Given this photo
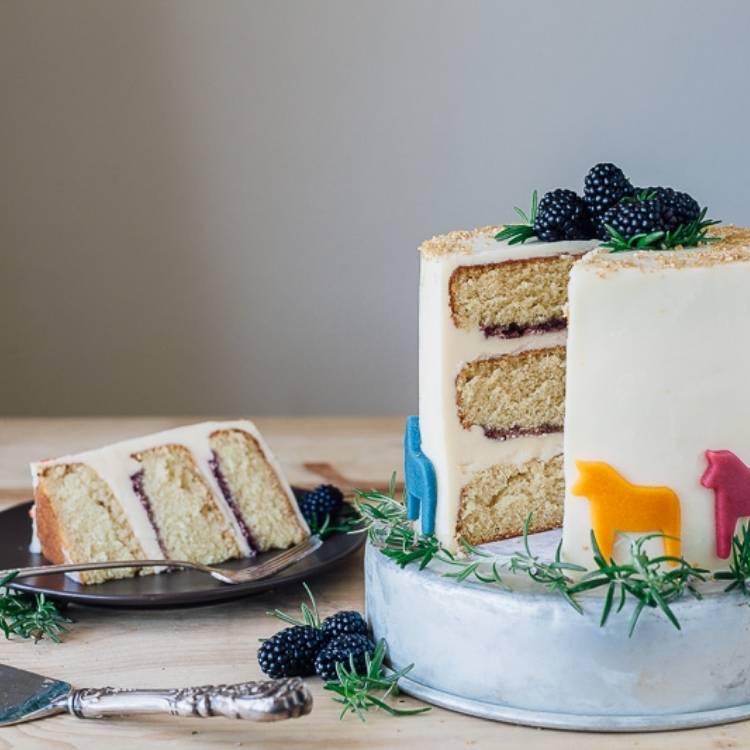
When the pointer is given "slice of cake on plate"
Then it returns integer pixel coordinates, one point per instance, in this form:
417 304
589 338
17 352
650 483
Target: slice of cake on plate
204 493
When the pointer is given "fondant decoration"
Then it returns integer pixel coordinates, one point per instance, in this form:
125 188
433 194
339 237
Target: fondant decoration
617 505
729 478
419 474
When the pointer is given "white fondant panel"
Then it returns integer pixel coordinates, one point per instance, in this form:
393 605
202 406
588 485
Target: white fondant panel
657 373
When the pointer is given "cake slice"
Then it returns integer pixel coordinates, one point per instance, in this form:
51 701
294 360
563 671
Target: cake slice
205 493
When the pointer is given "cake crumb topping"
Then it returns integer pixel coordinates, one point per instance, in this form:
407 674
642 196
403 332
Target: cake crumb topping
458 241
733 246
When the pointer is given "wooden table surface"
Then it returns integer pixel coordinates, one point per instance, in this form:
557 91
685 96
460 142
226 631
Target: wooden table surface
218 643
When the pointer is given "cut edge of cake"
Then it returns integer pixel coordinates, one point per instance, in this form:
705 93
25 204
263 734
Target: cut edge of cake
468 345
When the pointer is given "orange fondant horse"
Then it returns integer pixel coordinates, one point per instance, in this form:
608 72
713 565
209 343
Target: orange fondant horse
617 505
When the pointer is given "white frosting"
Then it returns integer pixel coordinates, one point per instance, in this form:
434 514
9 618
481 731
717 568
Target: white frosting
115 465
458 453
657 371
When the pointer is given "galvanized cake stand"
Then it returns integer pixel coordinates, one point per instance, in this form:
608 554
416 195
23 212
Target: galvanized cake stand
527 657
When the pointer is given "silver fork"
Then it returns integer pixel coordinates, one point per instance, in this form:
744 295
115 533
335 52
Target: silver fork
225 575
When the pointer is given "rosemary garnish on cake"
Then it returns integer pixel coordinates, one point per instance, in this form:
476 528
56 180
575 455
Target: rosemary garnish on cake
684 235
738 574
517 234
644 579
653 582
29 616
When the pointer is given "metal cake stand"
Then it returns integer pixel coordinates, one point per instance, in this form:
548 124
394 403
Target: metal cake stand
529 658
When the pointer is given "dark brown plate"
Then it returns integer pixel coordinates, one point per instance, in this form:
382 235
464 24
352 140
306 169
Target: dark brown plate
185 587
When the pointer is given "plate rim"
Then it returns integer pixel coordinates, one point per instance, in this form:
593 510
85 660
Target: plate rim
181 598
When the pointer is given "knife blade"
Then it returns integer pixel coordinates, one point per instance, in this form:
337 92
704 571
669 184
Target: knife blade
25 696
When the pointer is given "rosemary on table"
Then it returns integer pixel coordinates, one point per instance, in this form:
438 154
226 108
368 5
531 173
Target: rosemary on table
309 614
517 234
29 616
738 574
360 693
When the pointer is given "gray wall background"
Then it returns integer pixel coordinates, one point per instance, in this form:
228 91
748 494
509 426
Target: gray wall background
213 207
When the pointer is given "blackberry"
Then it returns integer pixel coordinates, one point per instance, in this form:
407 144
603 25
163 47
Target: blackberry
605 185
562 215
677 208
291 652
339 650
635 217
344 623
315 505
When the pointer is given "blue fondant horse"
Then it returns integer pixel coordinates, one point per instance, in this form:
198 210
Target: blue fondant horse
419 475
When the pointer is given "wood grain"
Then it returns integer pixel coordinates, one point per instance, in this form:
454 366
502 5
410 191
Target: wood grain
218 643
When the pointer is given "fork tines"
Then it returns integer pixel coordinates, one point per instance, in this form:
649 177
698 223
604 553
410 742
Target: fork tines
282 560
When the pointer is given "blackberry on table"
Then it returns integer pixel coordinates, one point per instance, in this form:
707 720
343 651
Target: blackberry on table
291 652
635 217
562 215
339 651
605 185
323 500
344 623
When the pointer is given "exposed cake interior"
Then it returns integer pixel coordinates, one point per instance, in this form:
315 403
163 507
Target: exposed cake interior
188 522
513 297
79 518
511 395
492 380
497 501
252 488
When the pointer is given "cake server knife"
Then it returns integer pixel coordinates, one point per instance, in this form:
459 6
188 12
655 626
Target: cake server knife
25 696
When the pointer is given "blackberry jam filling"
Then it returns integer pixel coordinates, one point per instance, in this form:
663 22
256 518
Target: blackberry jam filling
514 432
221 480
516 330
137 482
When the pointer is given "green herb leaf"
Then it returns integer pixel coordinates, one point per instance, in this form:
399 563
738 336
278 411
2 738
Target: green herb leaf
518 233
29 616
309 614
360 693
685 235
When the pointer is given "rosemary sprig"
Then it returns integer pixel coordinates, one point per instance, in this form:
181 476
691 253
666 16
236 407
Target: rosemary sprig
29 617
309 614
684 235
646 579
738 574
519 233
550 575
359 693
654 582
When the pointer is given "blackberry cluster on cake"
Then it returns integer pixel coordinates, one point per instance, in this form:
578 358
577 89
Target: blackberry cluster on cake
562 215
609 202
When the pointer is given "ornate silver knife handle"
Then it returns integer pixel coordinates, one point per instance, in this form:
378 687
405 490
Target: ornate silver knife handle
269 700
